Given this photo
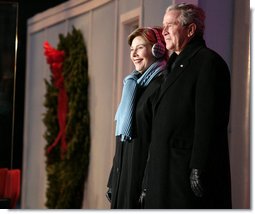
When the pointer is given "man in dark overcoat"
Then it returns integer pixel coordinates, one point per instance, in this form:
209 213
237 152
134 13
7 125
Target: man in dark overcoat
188 163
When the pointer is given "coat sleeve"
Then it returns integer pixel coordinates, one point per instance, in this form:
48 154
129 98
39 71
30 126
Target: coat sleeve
211 111
109 184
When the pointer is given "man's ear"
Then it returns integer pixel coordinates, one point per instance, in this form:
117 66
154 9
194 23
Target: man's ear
192 29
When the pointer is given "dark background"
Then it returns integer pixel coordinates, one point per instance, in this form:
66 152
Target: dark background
26 9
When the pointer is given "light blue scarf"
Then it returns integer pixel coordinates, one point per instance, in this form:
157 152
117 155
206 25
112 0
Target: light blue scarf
125 114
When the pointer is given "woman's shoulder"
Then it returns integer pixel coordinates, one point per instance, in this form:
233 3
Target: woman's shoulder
154 84
158 79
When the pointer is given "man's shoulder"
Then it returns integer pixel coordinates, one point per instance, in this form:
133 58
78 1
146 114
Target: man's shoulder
210 57
207 52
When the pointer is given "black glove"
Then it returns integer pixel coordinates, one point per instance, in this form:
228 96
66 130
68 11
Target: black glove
109 194
195 182
141 199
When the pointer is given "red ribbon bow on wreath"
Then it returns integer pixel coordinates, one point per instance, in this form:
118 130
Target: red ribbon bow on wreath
55 59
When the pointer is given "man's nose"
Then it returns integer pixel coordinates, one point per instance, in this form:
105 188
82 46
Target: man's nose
164 30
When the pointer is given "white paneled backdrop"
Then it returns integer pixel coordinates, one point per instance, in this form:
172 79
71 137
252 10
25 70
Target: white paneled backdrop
105 36
105 25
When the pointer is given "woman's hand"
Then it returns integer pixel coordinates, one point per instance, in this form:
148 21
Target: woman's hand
195 182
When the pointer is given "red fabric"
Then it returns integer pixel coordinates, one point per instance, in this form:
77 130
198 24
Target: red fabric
3 175
55 59
12 186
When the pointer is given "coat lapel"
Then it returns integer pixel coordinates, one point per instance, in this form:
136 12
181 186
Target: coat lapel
180 66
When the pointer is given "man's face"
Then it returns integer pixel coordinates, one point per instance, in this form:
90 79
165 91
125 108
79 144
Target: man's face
175 35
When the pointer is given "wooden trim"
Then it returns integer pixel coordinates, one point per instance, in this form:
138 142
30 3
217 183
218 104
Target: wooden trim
130 16
239 124
62 12
125 19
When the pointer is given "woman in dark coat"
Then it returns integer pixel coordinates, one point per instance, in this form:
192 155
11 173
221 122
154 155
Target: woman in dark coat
188 165
133 117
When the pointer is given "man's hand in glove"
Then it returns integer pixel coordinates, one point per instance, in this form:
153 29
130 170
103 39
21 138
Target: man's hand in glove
195 182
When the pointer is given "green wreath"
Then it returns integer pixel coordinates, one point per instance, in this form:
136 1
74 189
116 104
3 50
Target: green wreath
66 174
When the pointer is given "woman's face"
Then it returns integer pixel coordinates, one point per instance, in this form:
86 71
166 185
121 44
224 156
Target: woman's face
140 54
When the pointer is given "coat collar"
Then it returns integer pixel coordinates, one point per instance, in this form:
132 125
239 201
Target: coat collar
181 63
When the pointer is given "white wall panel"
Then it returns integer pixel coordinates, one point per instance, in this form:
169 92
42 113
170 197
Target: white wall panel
125 5
101 83
33 136
154 12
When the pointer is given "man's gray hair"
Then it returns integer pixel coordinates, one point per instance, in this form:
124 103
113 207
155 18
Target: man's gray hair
190 14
